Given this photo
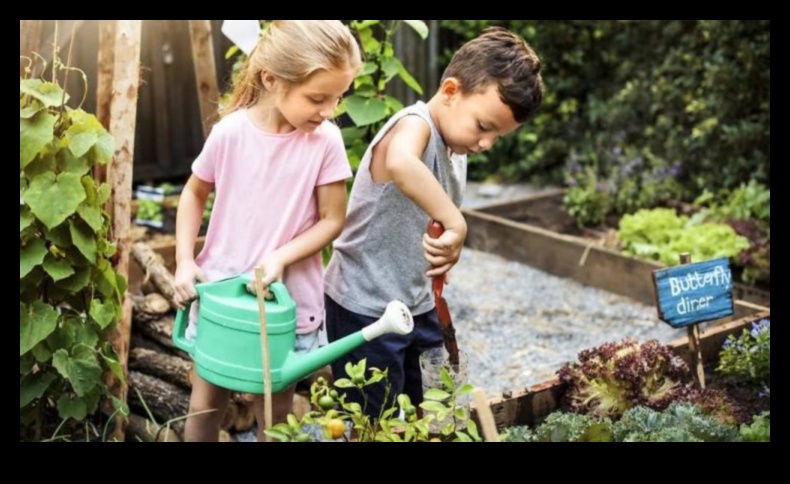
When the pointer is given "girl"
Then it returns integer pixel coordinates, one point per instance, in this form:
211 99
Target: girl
279 169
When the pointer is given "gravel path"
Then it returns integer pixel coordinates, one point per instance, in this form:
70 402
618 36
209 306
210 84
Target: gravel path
518 325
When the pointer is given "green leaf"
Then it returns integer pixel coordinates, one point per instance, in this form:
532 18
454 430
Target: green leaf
462 437
368 68
465 390
57 268
86 335
83 133
105 280
64 334
435 394
84 239
44 162
364 111
232 50
277 434
31 255
104 193
359 25
53 199
59 236
34 387
26 218
102 313
104 148
26 363
92 215
344 383
36 322
390 66
419 27
70 406
70 163
48 93
112 363
471 427
30 110
77 281
433 406
82 369
408 79
460 413
41 353
393 104
34 134
446 379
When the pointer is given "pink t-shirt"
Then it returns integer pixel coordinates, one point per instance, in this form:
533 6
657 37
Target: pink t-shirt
265 197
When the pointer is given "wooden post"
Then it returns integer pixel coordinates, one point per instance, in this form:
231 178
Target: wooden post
205 72
29 42
123 113
267 374
106 61
485 416
694 346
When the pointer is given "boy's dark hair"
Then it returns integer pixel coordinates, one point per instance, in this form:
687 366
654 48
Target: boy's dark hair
500 56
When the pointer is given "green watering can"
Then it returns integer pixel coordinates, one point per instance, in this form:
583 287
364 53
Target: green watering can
227 350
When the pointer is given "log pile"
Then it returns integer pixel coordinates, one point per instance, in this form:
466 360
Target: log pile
160 375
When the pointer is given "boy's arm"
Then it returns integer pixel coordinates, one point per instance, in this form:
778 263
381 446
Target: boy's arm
406 169
188 219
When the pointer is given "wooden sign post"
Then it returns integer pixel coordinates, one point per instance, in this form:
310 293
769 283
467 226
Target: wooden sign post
689 294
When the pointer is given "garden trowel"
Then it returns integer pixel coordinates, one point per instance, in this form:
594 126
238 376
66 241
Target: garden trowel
435 230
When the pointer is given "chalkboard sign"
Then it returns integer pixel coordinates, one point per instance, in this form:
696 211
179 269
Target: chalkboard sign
692 293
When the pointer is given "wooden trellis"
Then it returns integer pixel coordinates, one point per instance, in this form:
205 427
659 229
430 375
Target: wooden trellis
118 86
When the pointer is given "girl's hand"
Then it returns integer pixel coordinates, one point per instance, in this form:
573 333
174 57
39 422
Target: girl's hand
187 273
273 268
443 252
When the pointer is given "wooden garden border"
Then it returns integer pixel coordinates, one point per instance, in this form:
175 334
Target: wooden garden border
527 406
492 230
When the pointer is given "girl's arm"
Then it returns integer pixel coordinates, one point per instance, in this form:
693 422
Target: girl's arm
331 200
188 219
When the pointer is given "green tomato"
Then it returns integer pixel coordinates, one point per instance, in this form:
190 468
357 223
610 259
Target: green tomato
326 402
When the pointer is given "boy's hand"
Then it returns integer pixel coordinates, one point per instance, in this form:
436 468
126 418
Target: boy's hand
273 268
187 273
442 252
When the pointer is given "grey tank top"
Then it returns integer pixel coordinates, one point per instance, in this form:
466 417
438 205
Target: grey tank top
379 256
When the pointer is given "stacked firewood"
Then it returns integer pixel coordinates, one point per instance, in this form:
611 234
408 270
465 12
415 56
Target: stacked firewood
160 374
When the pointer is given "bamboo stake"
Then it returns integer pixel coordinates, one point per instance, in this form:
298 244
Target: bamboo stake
485 416
205 71
267 376
123 112
695 350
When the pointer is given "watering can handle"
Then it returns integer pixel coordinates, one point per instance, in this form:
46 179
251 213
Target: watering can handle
180 328
276 288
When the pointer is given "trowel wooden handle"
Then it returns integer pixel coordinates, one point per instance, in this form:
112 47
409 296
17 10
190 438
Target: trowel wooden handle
435 229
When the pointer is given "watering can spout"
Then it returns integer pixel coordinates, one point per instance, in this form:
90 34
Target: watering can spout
396 319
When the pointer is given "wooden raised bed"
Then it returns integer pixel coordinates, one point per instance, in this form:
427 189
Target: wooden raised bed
529 231
526 407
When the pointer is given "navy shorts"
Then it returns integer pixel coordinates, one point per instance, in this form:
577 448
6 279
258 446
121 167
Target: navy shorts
399 353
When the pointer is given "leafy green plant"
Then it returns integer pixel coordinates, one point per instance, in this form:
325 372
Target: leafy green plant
759 430
611 378
660 234
748 355
149 210
588 203
678 423
332 411
69 294
564 427
369 105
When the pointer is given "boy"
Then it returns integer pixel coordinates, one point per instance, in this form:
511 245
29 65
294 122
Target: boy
414 170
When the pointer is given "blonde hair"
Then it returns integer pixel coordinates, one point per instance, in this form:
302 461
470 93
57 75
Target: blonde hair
292 50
